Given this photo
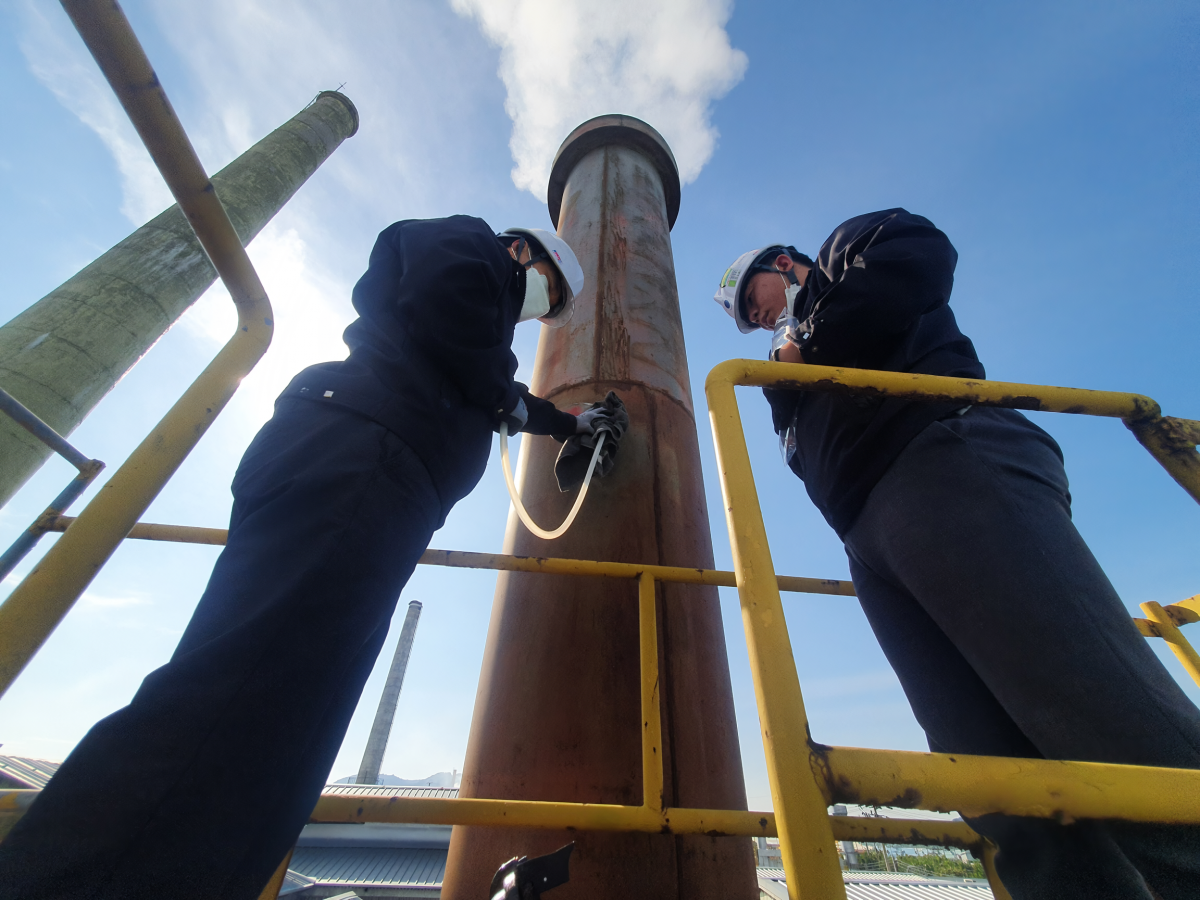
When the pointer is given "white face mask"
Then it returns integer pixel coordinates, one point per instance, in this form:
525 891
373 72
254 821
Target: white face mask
537 296
789 292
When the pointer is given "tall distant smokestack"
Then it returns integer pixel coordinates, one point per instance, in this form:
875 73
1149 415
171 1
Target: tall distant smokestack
557 713
64 353
368 772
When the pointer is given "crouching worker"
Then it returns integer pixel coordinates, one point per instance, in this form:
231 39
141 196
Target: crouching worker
957 524
200 786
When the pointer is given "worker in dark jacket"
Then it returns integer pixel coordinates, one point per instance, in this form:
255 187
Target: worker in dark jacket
1005 633
200 786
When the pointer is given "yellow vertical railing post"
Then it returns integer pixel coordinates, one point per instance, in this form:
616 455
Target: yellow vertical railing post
987 856
793 765
275 885
1169 632
652 763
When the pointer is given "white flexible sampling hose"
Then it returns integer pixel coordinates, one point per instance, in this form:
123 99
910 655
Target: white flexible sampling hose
516 499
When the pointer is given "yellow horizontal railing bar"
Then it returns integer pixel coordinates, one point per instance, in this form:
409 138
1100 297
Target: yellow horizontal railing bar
976 785
548 565
934 388
34 609
538 814
612 817
1181 613
176 534
1147 628
880 830
531 814
1171 441
1185 611
674 574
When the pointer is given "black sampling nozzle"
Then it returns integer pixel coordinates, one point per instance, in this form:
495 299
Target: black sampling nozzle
522 878
576 453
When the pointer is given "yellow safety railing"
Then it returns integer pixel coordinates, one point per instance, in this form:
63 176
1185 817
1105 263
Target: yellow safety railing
968 785
38 604
805 776
1164 622
651 816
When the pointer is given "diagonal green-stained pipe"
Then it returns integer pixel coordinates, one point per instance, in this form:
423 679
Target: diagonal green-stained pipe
64 353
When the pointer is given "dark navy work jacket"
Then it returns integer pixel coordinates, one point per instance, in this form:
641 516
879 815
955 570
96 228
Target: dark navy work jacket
878 299
431 352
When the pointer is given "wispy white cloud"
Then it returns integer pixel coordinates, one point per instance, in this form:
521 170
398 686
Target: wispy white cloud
869 683
58 59
252 65
566 61
123 601
242 68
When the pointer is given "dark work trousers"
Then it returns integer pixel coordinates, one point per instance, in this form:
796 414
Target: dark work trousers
1009 640
200 786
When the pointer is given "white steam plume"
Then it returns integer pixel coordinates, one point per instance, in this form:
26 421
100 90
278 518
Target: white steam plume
565 61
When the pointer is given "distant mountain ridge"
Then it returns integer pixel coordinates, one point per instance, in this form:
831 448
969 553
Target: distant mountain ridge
438 779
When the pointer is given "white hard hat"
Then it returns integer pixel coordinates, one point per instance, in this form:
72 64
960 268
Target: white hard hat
731 290
562 257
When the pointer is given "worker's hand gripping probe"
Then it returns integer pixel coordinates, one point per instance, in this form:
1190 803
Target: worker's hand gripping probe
600 430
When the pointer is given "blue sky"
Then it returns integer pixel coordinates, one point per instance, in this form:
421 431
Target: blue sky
1053 141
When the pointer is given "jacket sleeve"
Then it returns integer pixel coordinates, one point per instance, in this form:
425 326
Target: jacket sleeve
448 280
544 417
783 406
876 275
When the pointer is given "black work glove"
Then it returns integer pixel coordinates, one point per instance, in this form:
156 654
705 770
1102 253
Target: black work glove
611 419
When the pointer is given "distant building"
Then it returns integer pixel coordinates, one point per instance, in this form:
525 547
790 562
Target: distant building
767 852
21 773
373 859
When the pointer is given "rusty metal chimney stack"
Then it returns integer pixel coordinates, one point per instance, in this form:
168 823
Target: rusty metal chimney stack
557 715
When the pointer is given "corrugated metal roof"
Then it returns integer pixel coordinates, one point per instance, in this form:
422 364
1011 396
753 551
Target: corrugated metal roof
383 790
294 882
775 890
32 773
777 874
895 812
891 877
924 890
374 834
388 867
899 886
